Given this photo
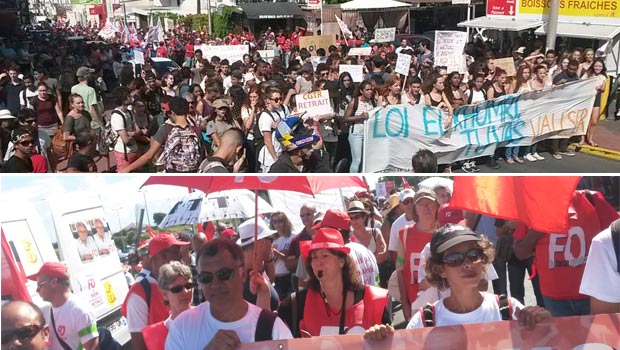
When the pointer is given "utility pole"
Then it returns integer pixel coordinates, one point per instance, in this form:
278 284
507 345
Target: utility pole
209 16
552 24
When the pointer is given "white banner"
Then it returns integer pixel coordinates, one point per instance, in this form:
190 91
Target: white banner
232 53
266 55
356 71
314 103
394 134
385 35
360 51
402 64
138 57
448 51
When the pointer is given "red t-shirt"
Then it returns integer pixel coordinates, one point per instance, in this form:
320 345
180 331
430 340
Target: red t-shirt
189 50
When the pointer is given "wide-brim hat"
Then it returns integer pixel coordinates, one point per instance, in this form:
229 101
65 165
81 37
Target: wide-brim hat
5 114
392 203
246 231
357 207
325 238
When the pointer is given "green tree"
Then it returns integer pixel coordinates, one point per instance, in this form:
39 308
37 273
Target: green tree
158 218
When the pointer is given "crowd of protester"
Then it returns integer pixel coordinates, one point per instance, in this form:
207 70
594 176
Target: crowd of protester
214 115
342 274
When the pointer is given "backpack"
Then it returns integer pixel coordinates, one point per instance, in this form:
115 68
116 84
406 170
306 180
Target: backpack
207 165
259 138
182 149
503 301
264 326
109 137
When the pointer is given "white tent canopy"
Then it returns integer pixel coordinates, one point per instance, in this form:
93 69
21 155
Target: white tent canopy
511 24
373 5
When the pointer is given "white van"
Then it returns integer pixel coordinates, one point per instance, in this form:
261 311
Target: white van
98 277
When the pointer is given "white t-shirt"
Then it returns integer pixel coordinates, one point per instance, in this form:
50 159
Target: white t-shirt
89 248
399 223
366 263
26 102
488 311
75 316
105 243
601 279
117 124
491 273
137 309
282 243
268 123
195 328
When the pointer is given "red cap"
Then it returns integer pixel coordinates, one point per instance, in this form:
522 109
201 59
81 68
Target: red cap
162 241
447 215
52 269
335 219
327 238
227 233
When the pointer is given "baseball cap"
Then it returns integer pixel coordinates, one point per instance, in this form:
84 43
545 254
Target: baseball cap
424 193
406 193
52 269
447 215
219 103
227 233
246 231
451 235
84 71
163 241
335 219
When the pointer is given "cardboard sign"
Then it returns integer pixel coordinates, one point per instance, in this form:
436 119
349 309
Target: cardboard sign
138 57
507 64
448 52
356 71
314 103
360 51
402 64
315 42
385 35
267 55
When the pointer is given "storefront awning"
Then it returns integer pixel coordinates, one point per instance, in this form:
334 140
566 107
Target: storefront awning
512 25
583 30
271 10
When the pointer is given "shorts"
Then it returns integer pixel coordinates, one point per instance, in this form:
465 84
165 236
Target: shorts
121 163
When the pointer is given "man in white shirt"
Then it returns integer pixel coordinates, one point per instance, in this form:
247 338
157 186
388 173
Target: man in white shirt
267 121
225 319
406 203
73 323
404 45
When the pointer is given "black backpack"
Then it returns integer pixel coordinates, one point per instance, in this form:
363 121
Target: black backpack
264 326
259 139
505 308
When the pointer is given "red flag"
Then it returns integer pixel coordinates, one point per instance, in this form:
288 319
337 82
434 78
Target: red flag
405 183
150 231
199 228
541 202
209 230
13 279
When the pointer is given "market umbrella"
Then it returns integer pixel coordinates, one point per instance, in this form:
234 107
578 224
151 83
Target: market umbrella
197 207
304 184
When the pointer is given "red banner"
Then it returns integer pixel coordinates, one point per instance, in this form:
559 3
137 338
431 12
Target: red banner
580 332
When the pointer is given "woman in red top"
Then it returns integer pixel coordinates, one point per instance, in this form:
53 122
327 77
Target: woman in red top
175 282
336 301
48 111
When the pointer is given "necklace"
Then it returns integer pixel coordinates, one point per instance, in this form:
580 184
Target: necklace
328 307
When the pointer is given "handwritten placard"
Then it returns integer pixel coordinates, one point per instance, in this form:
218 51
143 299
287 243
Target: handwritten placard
232 53
385 35
507 64
449 47
402 64
356 71
314 103
138 57
315 42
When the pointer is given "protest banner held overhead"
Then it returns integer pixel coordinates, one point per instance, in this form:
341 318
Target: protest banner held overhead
360 51
449 47
232 53
476 130
315 42
385 35
356 71
314 103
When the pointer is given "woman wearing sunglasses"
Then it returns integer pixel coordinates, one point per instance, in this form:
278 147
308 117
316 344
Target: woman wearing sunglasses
177 288
458 261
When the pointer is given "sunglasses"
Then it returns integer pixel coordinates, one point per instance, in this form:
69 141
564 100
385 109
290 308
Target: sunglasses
407 201
457 259
356 216
26 143
22 334
179 289
39 284
223 274
30 121
276 100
